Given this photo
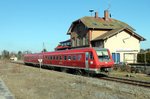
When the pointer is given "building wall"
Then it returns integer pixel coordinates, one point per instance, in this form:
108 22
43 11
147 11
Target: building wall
126 45
97 33
79 36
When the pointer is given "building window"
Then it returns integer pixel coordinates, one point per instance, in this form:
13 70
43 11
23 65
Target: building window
83 41
77 42
73 43
87 40
99 44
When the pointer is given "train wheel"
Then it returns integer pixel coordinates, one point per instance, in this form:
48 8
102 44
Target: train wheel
65 70
79 72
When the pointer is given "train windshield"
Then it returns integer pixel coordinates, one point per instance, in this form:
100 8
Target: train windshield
103 55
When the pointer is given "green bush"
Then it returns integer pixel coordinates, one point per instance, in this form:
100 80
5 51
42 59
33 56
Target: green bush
148 57
141 57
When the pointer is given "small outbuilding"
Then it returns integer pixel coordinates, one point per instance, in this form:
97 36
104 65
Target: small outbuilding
13 58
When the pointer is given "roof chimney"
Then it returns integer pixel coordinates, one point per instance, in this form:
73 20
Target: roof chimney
96 14
106 15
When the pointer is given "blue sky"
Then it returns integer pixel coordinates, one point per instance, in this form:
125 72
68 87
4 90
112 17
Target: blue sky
26 24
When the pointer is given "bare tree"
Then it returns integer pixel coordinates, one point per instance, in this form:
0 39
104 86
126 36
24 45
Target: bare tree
44 50
19 56
5 54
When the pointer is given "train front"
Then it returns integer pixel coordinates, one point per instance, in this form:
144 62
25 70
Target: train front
105 61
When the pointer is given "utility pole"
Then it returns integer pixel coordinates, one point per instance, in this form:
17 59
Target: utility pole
44 48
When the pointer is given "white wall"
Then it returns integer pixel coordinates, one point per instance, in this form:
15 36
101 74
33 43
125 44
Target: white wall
122 43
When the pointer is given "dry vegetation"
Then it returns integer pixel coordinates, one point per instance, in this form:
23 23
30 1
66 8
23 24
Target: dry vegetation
31 83
127 74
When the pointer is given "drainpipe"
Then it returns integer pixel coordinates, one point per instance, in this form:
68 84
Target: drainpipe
90 37
126 39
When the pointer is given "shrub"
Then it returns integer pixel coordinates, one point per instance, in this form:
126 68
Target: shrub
141 57
148 57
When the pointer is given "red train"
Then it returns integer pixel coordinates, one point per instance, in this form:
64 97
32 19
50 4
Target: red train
93 60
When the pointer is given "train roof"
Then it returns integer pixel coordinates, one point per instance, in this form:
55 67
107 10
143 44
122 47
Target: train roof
76 50
32 54
80 50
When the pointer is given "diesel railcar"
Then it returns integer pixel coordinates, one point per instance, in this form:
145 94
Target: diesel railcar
93 60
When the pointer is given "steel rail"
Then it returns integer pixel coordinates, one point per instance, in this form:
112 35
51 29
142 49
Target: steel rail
128 81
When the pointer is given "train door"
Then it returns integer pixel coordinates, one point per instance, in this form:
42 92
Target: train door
87 60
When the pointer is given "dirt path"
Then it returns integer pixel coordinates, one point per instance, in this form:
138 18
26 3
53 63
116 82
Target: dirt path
31 83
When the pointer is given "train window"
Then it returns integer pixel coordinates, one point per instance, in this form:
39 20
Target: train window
91 56
65 57
53 57
69 57
79 57
74 58
60 57
103 55
49 57
56 57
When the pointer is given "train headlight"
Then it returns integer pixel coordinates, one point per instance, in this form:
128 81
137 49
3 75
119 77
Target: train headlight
91 62
106 62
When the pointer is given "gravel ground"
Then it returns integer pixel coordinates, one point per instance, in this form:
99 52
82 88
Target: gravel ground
32 83
4 91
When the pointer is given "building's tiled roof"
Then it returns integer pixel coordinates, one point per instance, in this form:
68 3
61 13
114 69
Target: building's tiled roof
112 25
101 23
115 31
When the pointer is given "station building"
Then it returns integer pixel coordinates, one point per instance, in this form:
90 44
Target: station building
106 32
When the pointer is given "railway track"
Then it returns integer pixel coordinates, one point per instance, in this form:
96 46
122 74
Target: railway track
120 80
128 81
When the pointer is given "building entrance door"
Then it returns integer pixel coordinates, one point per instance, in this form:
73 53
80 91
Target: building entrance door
116 57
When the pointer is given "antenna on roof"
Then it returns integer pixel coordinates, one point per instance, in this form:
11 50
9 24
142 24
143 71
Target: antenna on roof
109 5
91 11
